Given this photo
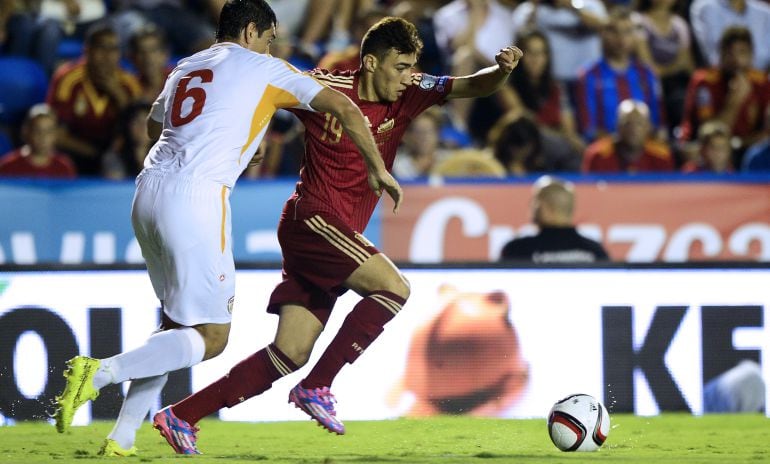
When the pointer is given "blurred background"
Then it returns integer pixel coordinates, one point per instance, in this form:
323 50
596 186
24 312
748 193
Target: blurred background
657 110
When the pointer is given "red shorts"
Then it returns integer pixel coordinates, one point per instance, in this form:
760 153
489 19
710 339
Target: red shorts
320 252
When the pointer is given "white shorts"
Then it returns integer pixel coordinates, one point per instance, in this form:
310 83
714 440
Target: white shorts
184 229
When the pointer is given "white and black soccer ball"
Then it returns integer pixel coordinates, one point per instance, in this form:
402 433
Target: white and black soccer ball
578 423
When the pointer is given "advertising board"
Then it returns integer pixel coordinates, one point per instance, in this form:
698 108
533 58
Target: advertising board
489 342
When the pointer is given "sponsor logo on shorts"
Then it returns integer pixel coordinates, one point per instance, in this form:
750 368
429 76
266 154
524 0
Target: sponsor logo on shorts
230 304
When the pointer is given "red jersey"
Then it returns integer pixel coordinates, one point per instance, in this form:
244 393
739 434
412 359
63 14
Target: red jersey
333 176
15 164
706 94
601 156
549 113
87 112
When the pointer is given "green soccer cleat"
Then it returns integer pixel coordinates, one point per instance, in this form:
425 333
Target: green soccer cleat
111 448
79 389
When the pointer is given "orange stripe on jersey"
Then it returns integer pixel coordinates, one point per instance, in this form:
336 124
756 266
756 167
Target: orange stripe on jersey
68 83
272 99
98 103
130 82
224 218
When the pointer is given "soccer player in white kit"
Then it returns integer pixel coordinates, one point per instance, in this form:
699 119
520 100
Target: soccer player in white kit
208 121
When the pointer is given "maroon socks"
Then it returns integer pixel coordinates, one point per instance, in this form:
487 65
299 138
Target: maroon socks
360 328
246 379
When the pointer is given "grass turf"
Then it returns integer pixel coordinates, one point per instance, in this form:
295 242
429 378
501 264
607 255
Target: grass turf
669 438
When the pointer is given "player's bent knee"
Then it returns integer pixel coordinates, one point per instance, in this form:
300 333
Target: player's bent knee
216 337
400 286
215 347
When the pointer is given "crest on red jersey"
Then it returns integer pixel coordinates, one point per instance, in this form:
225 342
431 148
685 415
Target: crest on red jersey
386 125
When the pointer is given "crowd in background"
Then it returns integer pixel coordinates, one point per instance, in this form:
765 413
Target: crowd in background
605 86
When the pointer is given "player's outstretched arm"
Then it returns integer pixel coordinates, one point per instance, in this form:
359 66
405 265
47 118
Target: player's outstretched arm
488 80
354 125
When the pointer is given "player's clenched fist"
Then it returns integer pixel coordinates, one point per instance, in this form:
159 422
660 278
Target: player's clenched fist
508 58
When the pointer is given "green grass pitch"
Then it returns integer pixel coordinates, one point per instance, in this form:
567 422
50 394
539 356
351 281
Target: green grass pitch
668 438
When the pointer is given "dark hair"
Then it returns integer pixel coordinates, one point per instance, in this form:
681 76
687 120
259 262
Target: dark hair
523 131
735 34
126 154
532 94
646 5
618 13
98 30
236 16
391 32
148 30
643 5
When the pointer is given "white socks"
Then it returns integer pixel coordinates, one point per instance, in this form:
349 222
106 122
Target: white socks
141 397
163 352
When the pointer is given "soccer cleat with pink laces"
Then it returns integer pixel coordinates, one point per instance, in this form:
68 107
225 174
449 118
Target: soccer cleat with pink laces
318 403
178 433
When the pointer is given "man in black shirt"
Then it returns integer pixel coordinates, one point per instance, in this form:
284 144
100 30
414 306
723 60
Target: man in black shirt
558 241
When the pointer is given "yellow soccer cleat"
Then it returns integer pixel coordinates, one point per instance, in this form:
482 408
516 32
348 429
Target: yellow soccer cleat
78 389
111 448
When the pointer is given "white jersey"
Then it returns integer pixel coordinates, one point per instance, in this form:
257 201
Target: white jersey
215 107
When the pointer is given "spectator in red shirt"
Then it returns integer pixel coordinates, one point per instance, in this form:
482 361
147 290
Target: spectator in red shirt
38 156
714 150
632 148
733 93
88 96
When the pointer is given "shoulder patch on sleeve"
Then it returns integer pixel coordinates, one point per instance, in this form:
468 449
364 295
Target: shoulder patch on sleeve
440 84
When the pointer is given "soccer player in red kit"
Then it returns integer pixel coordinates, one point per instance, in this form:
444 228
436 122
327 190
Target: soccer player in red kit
324 253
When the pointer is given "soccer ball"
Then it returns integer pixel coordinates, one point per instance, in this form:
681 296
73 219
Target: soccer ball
578 423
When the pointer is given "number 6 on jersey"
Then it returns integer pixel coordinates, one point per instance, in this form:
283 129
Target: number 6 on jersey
182 93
